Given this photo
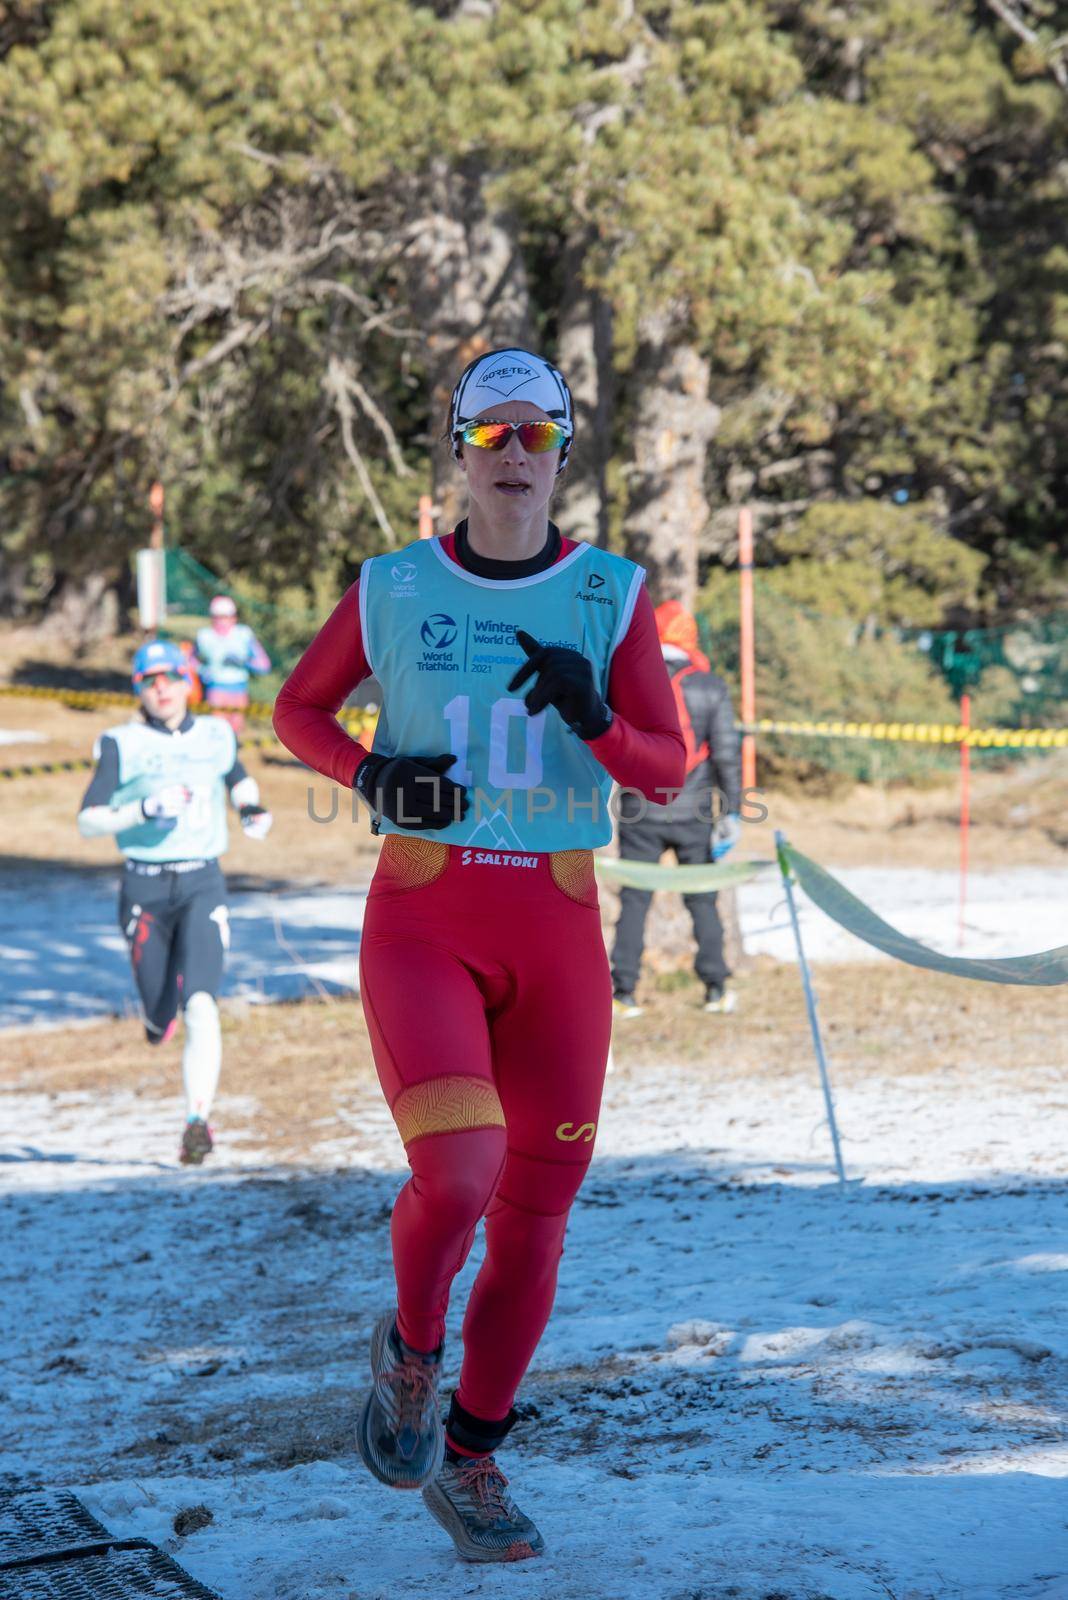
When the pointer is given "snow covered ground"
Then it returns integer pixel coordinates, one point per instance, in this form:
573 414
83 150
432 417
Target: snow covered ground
62 956
754 1387
1016 912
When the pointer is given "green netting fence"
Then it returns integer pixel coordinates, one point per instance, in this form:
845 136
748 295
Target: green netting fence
1043 969
815 667
1034 654
284 630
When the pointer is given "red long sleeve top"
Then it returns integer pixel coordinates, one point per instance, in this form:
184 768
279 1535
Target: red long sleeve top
643 749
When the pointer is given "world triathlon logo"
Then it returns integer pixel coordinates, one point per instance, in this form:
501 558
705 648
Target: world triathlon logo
438 631
403 572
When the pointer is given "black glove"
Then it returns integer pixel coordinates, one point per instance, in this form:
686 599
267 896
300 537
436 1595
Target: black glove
565 680
411 791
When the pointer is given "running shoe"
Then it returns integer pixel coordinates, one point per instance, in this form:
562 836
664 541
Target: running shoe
197 1142
470 1498
719 998
624 1005
400 1436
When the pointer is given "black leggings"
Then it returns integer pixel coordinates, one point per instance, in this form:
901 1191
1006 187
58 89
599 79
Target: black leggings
646 841
177 928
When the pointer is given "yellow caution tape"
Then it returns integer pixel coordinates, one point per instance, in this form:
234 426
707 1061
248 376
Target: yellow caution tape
919 733
43 768
358 723
90 699
82 699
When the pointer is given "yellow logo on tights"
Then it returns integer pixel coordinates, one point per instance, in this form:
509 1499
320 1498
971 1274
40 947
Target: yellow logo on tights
586 1131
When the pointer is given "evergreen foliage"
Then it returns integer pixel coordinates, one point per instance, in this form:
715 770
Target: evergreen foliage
226 262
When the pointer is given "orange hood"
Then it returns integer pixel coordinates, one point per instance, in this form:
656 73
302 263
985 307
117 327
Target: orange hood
675 625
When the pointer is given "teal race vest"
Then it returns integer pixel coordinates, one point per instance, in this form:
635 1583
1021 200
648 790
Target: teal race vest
214 648
199 759
441 642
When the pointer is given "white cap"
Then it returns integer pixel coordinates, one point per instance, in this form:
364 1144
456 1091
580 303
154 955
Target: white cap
222 606
510 374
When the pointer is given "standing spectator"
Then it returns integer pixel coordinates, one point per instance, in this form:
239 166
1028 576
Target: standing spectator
702 824
227 653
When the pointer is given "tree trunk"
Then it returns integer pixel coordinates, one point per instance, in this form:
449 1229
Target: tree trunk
80 611
14 586
674 424
585 358
468 290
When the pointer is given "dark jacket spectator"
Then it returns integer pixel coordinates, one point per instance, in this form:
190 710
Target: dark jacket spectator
713 746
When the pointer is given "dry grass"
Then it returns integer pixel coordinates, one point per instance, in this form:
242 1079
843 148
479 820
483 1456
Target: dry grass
45 655
874 1016
298 1065
1017 819
1017 816
301 1063
306 1069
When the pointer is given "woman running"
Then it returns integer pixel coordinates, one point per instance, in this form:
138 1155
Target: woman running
160 789
521 673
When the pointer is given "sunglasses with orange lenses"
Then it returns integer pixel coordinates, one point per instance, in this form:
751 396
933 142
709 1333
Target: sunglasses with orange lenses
535 437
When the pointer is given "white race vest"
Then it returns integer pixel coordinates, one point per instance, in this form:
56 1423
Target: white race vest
150 760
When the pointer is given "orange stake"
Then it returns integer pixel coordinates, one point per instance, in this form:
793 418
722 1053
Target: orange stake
426 517
155 505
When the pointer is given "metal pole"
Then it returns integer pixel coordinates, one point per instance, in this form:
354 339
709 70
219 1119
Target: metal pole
810 1002
745 644
965 810
155 568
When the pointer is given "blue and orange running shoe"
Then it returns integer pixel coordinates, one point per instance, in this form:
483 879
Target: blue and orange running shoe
471 1501
400 1435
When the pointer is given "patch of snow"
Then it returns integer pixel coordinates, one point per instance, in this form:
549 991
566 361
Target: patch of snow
754 1384
63 956
298 942
1019 911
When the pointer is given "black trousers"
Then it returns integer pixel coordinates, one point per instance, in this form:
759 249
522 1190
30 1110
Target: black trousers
177 930
646 841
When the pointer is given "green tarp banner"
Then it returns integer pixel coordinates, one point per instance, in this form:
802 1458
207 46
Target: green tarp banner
682 880
1047 968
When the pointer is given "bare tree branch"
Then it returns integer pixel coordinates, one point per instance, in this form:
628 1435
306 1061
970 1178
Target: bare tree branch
377 319
241 333
371 410
1057 63
337 385
344 291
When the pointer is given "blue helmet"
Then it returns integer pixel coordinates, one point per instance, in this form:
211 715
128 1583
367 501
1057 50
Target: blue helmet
159 655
